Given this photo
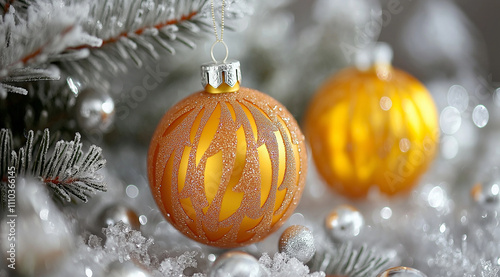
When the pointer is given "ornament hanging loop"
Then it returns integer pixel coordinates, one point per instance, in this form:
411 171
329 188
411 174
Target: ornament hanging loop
212 51
217 39
220 76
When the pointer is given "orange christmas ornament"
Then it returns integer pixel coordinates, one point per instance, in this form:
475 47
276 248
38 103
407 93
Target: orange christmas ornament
227 165
373 127
227 169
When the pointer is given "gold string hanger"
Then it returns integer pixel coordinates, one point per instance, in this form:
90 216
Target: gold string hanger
217 39
225 76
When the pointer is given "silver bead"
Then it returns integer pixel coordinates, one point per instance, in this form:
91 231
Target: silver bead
401 271
118 212
95 110
236 264
126 269
297 241
344 223
487 194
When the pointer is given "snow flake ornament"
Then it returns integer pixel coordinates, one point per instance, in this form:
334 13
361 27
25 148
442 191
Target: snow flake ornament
227 165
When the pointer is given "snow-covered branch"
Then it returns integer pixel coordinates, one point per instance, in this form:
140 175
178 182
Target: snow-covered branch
87 39
65 169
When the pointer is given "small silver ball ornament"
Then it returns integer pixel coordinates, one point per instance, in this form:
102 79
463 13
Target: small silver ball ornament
297 241
236 264
487 194
95 110
402 271
114 213
126 269
344 223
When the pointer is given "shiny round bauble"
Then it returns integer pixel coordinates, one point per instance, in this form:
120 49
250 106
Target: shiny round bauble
370 128
297 241
227 169
236 264
95 110
401 271
114 213
126 269
344 223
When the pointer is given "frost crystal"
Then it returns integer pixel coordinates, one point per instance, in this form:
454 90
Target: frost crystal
176 266
95 242
122 243
488 269
127 243
283 266
454 260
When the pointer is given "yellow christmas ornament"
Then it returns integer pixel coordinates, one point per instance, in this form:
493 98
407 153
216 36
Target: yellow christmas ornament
373 127
227 165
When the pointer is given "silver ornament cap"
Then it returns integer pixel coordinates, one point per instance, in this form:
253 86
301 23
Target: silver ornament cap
220 77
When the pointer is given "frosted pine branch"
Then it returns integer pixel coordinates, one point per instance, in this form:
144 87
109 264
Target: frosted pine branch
66 169
136 30
30 38
346 261
5 5
87 38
